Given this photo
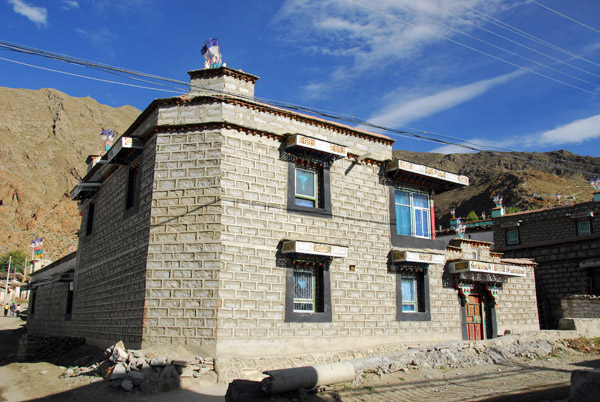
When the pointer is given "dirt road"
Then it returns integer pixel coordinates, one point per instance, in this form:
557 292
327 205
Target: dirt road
525 380
546 379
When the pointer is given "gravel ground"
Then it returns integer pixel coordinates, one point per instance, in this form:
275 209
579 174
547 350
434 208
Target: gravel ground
542 379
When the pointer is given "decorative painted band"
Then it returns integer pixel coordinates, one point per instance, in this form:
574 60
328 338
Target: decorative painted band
305 247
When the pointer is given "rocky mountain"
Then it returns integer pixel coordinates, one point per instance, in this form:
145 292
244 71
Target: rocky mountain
45 138
46 135
525 180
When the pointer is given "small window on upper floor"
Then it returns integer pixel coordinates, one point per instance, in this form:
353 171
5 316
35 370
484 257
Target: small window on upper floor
412 213
89 224
512 236
132 180
584 227
133 189
308 188
309 160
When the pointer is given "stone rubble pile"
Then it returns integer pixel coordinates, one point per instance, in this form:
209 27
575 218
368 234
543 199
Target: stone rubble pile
458 354
145 370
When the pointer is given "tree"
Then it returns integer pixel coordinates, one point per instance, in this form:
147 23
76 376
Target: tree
17 258
472 217
512 210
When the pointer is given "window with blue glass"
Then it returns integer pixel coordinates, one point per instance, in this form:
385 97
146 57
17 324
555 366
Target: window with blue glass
307 187
410 302
413 217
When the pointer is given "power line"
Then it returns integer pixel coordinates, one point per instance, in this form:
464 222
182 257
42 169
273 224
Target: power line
519 32
515 42
565 16
472 48
441 139
87 77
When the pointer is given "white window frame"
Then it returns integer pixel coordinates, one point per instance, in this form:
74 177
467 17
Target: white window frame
315 197
310 275
413 213
415 291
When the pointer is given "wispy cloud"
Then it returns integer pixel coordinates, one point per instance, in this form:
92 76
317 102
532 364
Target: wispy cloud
575 132
70 4
100 39
404 111
38 15
370 36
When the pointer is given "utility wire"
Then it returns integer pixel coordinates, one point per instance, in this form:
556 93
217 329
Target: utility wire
493 45
565 16
88 77
517 31
466 21
472 48
442 139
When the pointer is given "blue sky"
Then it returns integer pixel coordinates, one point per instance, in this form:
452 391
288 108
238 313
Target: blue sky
519 74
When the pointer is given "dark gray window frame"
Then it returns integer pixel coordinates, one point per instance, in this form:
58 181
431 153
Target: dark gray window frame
69 305
324 198
324 297
132 189
424 313
508 229
89 221
578 221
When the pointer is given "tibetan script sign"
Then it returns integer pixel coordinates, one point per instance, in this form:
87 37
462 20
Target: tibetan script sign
486 267
318 145
305 247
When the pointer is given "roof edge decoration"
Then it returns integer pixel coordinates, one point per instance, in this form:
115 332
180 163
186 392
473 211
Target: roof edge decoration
422 257
306 247
313 144
223 71
125 150
414 169
485 267
83 190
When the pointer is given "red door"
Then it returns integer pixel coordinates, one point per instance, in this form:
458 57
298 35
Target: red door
474 318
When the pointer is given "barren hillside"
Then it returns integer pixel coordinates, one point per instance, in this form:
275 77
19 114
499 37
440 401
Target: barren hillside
45 137
525 180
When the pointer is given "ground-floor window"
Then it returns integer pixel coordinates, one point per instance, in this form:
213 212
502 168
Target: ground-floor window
308 290
412 292
305 290
410 299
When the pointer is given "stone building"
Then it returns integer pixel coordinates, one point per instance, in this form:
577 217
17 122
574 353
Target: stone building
262 237
564 241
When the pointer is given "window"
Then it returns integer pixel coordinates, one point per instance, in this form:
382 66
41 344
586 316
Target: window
308 291
584 227
413 217
305 299
412 299
308 188
69 308
512 236
89 225
131 200
31 307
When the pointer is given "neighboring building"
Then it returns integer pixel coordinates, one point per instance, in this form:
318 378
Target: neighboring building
262 236
564 241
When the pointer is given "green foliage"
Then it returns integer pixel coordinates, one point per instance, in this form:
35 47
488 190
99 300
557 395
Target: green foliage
472 217
17 262
512 210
